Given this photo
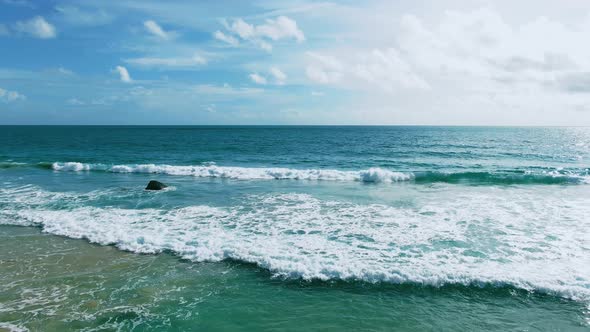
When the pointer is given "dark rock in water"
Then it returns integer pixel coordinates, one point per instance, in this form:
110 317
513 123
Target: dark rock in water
155 185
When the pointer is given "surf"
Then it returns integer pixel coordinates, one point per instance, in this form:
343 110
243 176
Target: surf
475 242
533 175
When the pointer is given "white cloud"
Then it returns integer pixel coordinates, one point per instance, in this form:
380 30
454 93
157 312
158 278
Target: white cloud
465 50
281 28
226 38
278 75
481 43
211 108
467 66
123 74
258 79
243 29
64 71
480 52
327 61
384 69
195 60
321 75
324 69
156 30
10 96
263 45
225 90
388 70
75 102
36 27
271 76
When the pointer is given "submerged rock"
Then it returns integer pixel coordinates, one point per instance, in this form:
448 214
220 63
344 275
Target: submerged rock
155 185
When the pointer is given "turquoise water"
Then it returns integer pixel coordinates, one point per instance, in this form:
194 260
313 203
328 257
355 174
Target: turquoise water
295 228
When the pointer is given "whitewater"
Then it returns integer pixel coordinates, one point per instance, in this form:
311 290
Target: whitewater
472 239
535 175
374 174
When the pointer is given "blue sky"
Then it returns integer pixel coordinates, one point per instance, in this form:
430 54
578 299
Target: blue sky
295 62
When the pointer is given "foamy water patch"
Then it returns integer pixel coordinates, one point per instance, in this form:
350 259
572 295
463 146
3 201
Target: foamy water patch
518 239
13 327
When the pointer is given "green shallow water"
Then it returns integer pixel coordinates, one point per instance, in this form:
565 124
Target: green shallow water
52 283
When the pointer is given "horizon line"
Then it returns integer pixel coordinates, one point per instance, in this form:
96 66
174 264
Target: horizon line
288 125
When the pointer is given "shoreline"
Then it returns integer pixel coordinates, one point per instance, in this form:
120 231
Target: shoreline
97 271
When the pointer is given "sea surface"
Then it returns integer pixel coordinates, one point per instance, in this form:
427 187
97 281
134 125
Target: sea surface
294 228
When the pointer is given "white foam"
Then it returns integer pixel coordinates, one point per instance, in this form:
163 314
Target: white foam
244 173
71 166
519 238
13 328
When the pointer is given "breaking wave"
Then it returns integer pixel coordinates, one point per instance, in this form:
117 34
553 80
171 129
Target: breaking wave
471 240
371 175
243 173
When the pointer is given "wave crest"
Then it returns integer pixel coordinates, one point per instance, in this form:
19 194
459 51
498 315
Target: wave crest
244 173
371 175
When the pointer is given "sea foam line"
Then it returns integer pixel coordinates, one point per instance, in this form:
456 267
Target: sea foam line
373 174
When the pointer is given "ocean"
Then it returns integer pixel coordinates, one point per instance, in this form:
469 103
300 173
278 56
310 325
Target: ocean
294 228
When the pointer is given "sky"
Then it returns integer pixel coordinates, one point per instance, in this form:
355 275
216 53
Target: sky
451 62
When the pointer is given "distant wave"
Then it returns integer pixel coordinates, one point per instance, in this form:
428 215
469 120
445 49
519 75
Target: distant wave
470 240
10 164
244 173
370 175
505 177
